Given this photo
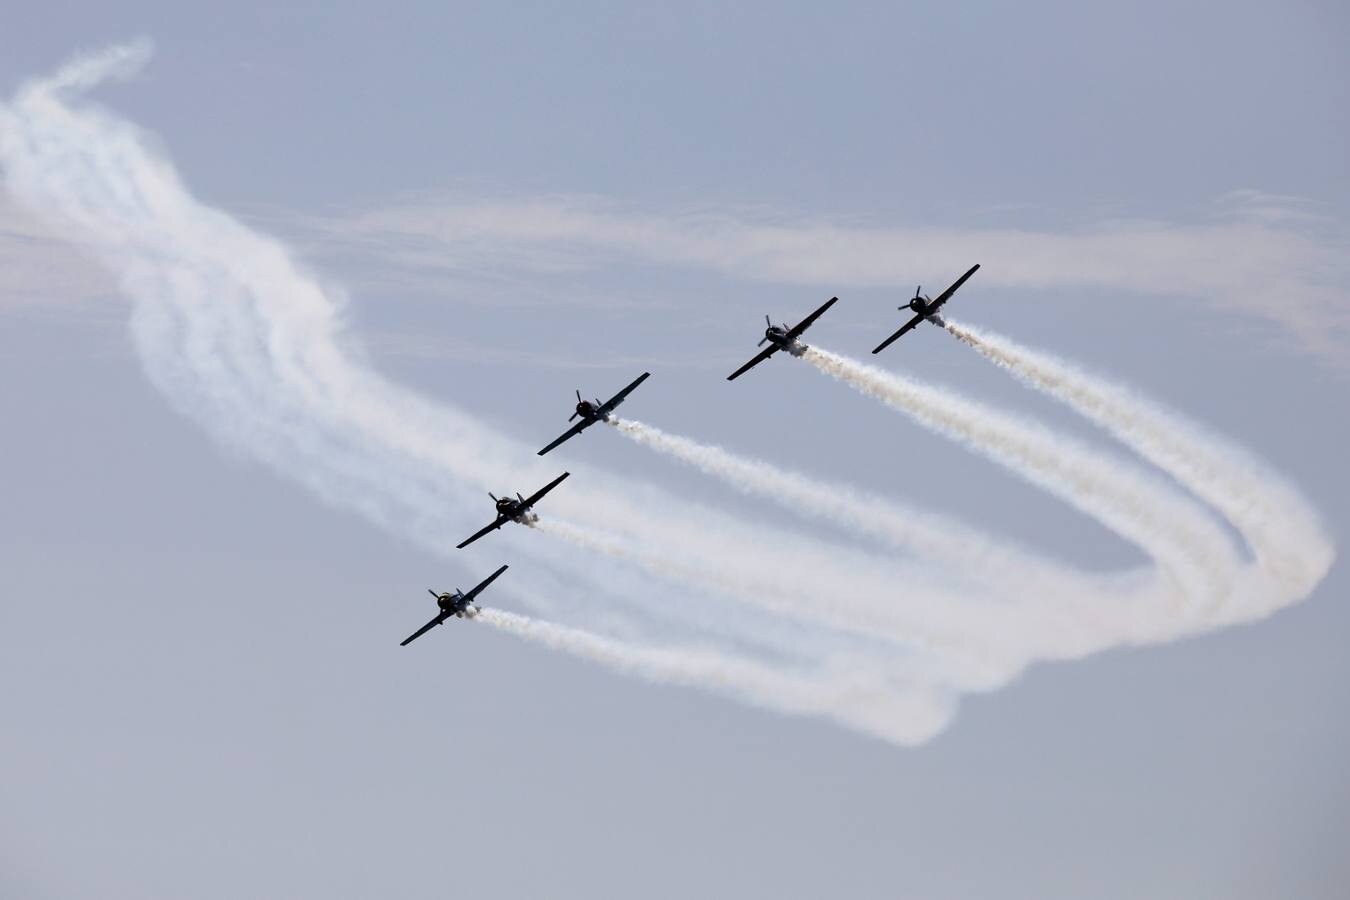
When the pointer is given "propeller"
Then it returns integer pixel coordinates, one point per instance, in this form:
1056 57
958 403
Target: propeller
493 496
575 414
434 594
767 324
917 303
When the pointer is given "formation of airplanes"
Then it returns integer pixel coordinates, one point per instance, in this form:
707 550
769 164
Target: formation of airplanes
459 604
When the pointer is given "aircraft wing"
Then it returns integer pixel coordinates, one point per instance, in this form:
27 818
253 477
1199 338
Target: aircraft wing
538 495
501 520
569 433
942 297
423 630
804 324
903 328
759 358
608 405
484 583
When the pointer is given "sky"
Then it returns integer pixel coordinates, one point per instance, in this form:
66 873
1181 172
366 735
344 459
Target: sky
207 572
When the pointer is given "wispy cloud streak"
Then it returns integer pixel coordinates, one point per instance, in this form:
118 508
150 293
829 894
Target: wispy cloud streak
1265 256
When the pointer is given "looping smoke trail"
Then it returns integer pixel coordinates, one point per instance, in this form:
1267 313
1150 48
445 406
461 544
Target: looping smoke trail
764 589
1284 533
1184 539
919 532
902 716
243 341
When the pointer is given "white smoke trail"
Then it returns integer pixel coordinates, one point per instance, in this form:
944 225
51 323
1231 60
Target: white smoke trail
984 664
251 347
871 704
1184 539
243 341
919 532
1290 546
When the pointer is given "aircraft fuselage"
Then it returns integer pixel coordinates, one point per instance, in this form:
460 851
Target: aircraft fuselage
514 509
776 335
454 604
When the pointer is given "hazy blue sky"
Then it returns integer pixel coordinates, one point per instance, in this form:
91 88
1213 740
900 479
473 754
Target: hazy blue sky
203 693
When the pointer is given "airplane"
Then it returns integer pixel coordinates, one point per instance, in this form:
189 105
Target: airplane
456 604
780 337
513 509
926 308
591 413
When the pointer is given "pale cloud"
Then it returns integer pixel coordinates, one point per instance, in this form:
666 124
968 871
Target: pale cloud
1270 257
43 269
420 345
1274 259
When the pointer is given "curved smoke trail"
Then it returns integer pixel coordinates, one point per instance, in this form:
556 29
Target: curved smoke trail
246 343
1292 551
1186 542
1284 533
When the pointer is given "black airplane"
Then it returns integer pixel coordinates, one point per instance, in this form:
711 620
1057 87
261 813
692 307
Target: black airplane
925 308
780 337
513 509
591 413
456 604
